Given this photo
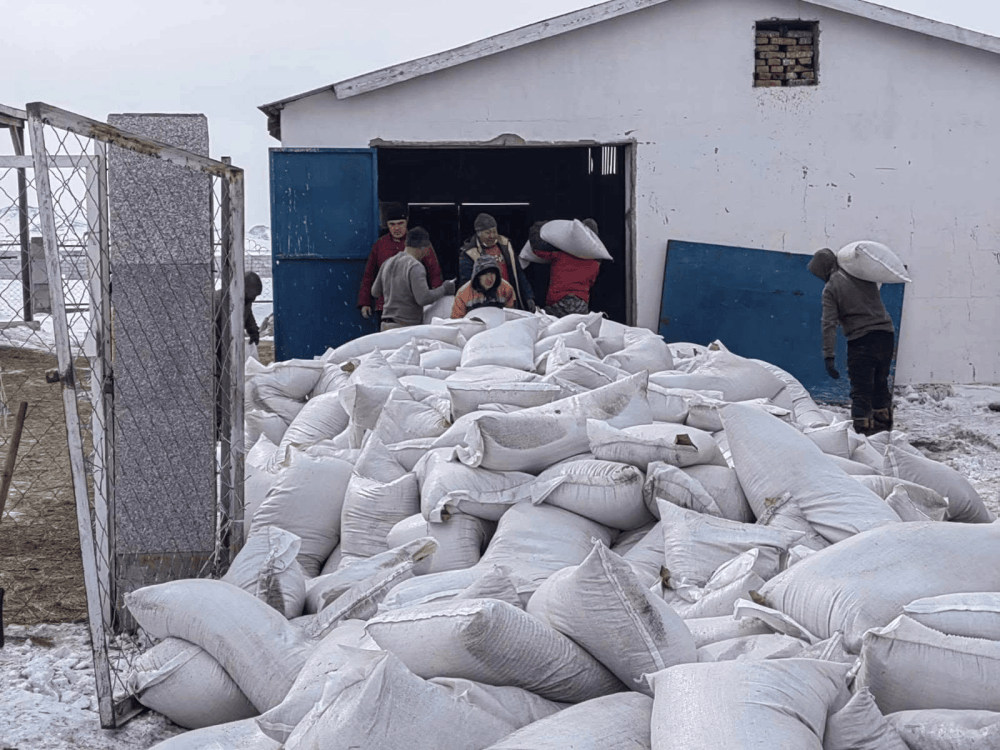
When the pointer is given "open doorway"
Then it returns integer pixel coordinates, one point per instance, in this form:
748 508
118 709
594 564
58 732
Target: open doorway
447 187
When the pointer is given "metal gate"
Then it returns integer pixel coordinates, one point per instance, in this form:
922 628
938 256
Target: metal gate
324 217
146 406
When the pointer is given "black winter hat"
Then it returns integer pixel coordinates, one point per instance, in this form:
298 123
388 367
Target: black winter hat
252 285
395 211
484 222
418 237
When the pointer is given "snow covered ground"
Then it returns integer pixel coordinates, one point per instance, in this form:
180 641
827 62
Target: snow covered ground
47 674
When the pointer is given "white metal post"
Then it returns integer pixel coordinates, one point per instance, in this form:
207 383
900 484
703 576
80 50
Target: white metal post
237 352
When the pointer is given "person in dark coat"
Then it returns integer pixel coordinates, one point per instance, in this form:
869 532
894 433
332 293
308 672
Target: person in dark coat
252 288
856 306
488 241
570 278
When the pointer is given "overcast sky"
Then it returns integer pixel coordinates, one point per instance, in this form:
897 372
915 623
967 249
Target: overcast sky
224 58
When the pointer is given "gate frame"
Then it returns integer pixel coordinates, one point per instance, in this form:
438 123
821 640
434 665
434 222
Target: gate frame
230 500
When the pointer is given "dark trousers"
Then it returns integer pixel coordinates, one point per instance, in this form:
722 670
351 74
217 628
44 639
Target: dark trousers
868 362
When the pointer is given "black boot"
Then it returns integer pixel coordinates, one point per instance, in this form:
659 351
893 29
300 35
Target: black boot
882 420
864 425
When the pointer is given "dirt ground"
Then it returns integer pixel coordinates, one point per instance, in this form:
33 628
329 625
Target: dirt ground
40 567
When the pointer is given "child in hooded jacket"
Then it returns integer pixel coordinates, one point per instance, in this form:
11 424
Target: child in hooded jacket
487 288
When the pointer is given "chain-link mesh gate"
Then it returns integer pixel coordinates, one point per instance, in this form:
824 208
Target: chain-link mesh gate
40 568
151 374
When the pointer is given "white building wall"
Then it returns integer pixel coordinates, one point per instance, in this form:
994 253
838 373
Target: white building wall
897 144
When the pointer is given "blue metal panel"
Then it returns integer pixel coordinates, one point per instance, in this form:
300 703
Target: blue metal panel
324 218
759 303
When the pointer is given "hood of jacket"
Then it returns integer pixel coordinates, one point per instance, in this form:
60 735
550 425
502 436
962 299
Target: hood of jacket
823 263
483 264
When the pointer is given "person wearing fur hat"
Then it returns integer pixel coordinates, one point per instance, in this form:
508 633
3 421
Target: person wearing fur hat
856 306
486 289
488 241
386 247
570 278
402 282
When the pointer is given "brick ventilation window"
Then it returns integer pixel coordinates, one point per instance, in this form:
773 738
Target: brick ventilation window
786 53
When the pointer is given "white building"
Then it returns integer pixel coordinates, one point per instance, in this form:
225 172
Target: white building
892 138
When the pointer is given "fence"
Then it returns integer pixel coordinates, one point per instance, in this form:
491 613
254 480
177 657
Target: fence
147 368
40 569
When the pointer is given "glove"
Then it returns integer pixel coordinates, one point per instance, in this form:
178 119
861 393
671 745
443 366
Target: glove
830 369
255 338
366 312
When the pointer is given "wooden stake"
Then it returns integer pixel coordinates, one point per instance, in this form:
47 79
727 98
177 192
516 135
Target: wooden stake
15 442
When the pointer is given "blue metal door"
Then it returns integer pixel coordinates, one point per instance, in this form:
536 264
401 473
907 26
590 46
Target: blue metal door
761 304
324 218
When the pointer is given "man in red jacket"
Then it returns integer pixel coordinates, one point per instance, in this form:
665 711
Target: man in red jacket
387 246
570 279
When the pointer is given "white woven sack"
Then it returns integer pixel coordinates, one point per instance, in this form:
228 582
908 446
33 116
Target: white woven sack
534 541
371 508
244 735
403 419
258 422
326 588
733 581
942 729
752 705
865 581
785 513
695 545
334 378
328 657
255 644
646 557
509 345
573 237
852 468
184 683
723 484
527 256
908 666
267 568
378 703
614 722
925 499
861 726
737 378
434 587
448 486
560 355
651 355
970 615
306 499
707 630
752 648
604 491
579 338
534 439
964 503
499 583
492 642
627 540
872 261
388 340
668 404
443 359
322 418
593 322
439 309
469 397
709 489
602 606
831 439
461 540
585 373
260 469
292 378
773 458
640 445
362 600
905 508
805 410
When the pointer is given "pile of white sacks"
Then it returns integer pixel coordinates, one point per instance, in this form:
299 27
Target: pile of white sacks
516 532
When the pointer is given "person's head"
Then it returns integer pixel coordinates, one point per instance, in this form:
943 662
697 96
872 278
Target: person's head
590 224
486 229
252 286
418 242
395 220
486 274
823 263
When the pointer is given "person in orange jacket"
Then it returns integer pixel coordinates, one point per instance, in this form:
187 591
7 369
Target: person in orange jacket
486 289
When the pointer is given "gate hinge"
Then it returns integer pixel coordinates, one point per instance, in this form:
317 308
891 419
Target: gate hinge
68 380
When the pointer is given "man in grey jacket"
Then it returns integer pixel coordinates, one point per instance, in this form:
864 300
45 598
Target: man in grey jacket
402 281
856 305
